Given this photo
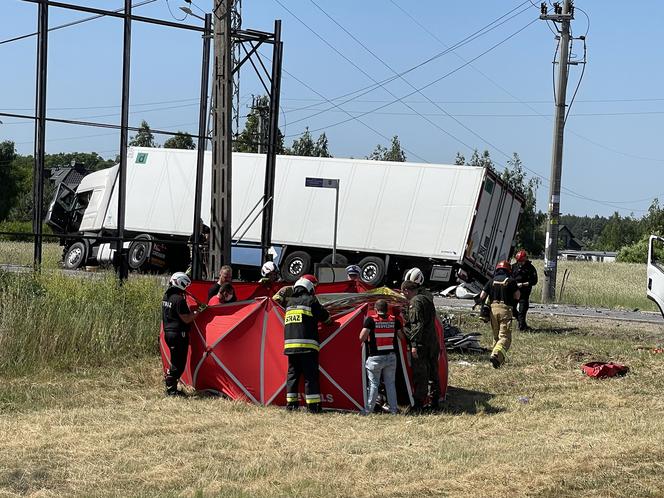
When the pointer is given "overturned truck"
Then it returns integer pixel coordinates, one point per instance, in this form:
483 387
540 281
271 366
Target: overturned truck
392 216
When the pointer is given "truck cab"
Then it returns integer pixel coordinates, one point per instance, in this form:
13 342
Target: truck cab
655 279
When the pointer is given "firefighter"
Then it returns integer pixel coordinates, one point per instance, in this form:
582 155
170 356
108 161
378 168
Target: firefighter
503 294
424 346
176 320
525 276
283 294
225 276
301 344
269 273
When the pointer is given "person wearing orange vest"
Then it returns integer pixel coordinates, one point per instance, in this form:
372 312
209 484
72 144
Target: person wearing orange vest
380 335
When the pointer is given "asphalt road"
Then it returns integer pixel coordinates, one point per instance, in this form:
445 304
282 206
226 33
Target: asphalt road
564 310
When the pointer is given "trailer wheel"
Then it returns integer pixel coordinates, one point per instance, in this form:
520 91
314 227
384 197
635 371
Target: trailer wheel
373 270
139 252
341 260
75 256
295 265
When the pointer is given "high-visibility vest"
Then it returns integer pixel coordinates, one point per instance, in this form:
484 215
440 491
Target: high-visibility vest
383 333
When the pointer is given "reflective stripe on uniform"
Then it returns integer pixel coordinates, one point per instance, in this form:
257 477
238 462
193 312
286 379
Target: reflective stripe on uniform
498 348
290 397
294 315
313 398
301 343
299 308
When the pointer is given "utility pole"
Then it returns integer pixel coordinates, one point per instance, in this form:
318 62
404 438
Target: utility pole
220 222
562 15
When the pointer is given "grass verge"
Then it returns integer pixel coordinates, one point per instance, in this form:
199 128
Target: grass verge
537 427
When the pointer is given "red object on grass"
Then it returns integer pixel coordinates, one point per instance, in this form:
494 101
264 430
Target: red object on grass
237 349
601 369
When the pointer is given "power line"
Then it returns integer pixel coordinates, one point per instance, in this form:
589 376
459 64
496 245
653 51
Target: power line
385 137
510 102
468 39
494 115
73 23
567 190
493 47
412 86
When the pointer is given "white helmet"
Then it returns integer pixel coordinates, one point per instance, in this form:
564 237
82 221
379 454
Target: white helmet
180 280
306 283
267 268
414 275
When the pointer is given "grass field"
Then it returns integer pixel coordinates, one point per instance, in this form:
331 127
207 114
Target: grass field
21 253
606 285
537 427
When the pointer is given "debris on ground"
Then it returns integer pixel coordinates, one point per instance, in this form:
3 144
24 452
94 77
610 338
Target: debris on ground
455 340
603 369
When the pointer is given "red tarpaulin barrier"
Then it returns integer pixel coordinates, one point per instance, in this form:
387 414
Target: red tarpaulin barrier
237 350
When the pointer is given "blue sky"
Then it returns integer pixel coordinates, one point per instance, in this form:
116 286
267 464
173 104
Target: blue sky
502 101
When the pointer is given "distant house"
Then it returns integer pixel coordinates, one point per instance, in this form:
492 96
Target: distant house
566 240
597 256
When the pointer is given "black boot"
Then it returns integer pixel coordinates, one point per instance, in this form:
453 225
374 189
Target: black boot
314 408
292 406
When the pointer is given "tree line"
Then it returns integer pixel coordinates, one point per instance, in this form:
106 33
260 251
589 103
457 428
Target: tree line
626 234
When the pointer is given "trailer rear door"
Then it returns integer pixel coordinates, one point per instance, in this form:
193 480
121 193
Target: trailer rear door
494 227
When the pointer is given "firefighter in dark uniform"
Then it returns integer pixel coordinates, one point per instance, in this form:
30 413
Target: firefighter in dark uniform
176 320
420 330
503 294
301 344
525 275
285 293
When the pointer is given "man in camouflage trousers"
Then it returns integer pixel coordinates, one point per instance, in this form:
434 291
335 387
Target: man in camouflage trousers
425 349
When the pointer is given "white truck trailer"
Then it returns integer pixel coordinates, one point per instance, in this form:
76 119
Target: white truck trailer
392 216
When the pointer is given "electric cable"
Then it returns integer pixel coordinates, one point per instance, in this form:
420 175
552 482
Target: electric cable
173 15
566 190
412 86
468 39
493 47
73 23
578 84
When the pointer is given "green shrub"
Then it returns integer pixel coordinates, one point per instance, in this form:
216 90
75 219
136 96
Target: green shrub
20 227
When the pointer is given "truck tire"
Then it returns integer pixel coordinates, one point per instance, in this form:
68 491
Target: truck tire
295 265
341 260
75 256
139 252
373 270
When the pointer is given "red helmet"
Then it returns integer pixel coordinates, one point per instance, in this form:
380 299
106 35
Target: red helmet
521 256
310 278
504 265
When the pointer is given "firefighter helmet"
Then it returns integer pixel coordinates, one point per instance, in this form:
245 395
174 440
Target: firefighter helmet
180 280
311 278
414 275
306 283
521 256
504 265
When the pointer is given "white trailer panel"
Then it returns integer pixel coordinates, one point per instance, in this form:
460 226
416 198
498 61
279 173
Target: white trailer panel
424 210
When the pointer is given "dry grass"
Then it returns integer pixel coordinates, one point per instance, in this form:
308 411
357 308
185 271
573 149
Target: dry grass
605 285
21 253
110 432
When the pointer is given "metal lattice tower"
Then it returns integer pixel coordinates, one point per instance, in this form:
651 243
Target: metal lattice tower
236 25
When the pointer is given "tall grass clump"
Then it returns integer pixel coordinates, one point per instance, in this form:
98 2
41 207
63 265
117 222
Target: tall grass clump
602 285
56 321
